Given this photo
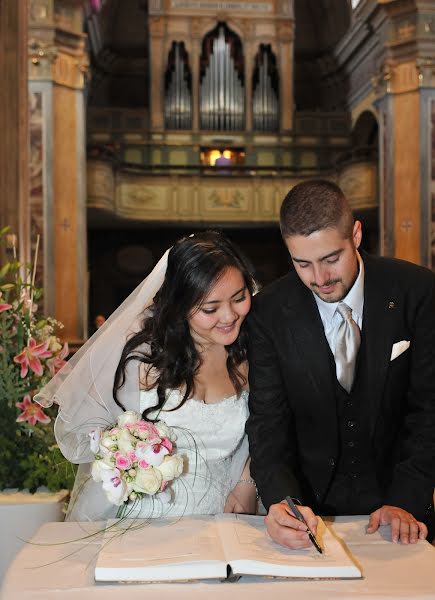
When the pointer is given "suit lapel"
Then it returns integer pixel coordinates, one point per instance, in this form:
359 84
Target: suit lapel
306 330
380 305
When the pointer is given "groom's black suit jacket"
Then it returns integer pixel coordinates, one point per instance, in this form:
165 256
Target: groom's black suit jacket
293 426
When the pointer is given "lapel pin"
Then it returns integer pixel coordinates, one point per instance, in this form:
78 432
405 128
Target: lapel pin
391 305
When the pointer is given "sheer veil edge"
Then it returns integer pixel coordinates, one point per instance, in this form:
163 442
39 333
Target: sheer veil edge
83 388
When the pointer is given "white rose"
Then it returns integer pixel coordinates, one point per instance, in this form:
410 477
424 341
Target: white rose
171 467
128 418
165 431
107 442
101 470
147 481
126 441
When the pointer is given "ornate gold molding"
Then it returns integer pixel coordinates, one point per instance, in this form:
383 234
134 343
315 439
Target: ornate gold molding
56 46
41 53
426 71
157 26
285 31
40 12
48 61
409 76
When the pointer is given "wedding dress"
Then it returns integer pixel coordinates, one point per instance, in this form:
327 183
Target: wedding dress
212 440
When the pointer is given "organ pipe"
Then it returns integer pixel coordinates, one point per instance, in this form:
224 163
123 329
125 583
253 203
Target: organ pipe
178 93
221 102
265 101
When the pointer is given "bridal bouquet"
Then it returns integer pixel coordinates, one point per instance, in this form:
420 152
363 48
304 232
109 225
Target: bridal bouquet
133 458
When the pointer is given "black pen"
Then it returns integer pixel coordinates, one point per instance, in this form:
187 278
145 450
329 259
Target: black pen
297 513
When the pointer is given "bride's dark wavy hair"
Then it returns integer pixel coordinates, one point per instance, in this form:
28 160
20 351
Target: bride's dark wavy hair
195 264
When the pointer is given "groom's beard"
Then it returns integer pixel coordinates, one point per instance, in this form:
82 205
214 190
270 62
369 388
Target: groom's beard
337 294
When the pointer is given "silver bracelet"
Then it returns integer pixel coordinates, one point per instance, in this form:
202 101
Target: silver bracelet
251 482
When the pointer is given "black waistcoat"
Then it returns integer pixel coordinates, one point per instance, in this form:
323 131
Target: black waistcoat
354 488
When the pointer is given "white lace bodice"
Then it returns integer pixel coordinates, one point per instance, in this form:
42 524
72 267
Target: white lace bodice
212 440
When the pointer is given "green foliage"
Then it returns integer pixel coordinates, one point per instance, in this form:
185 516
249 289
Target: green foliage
30 353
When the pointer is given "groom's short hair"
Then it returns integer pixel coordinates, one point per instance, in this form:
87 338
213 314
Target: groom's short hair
315 205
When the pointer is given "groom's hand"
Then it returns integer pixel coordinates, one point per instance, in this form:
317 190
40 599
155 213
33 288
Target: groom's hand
404 527
286 530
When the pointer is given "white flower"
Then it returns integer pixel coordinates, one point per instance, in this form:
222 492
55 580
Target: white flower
94 443
54 345
101 470
165 431
128 418
126 441
171 467
106 441
153 454
147 481
117 490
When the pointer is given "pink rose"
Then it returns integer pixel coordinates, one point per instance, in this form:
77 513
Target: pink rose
122 462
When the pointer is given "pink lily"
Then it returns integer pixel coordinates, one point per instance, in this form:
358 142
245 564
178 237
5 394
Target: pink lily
32 412
5 305
31 355
57 362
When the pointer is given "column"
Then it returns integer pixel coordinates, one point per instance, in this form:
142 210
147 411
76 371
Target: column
405 88
58 63
14 157
285 44
157 64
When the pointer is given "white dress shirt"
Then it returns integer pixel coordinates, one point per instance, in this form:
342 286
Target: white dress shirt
354 299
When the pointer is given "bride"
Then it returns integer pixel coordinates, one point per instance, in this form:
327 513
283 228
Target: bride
175 350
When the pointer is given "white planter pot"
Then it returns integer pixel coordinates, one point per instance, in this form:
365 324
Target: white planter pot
21 514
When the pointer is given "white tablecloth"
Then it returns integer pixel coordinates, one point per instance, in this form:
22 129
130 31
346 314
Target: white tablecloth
49 572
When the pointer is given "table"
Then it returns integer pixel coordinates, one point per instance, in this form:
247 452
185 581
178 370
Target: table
391 571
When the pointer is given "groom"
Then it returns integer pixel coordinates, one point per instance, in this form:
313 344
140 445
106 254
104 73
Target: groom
342 378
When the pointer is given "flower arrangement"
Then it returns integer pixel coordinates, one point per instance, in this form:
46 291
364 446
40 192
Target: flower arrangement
133 458
30 354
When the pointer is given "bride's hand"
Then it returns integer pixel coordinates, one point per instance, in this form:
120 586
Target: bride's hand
242 499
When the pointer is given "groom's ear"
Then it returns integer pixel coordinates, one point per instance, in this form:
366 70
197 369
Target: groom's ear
357 234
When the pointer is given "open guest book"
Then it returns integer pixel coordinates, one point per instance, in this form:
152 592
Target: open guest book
206 547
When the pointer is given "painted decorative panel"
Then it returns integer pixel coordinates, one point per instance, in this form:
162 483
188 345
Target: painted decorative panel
36 168
358 182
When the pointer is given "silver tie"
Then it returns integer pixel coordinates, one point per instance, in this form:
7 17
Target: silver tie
346 347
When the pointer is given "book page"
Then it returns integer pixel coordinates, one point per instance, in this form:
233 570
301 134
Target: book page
160 549
249 549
